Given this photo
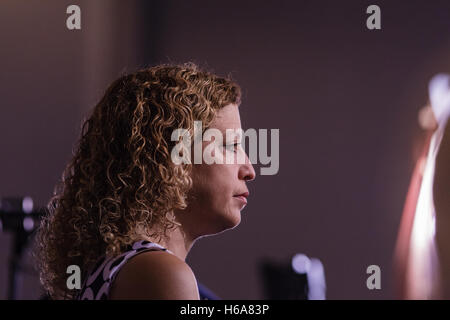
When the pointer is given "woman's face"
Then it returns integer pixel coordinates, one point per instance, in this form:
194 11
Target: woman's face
213 203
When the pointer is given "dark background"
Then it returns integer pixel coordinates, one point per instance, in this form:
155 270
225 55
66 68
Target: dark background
344 98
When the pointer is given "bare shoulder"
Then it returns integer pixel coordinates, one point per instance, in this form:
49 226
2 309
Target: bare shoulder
155 275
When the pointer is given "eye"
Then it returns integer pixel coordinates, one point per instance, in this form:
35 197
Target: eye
232 147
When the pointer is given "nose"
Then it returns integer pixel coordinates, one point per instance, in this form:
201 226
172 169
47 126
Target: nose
246 171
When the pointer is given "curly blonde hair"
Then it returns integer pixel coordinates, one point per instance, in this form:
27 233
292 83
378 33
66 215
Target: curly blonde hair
121 182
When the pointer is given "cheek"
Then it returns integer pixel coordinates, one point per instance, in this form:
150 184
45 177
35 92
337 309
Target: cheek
214 185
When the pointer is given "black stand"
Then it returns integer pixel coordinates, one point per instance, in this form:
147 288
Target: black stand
19 243
14 222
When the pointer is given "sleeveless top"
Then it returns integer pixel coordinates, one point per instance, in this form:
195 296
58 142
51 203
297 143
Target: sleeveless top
99 280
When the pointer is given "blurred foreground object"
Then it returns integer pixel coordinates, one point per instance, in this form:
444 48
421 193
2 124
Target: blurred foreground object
416 259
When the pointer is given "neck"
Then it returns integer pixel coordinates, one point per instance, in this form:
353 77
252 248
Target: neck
177 241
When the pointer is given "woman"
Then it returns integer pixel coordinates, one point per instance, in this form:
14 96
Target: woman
125 212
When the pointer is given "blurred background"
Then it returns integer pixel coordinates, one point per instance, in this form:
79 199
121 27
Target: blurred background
345 99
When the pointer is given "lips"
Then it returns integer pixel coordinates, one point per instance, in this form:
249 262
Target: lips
245 194
242 197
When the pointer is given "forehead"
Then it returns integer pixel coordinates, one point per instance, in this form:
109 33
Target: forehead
227 118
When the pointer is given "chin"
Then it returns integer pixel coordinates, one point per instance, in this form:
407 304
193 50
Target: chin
232 221
227 223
